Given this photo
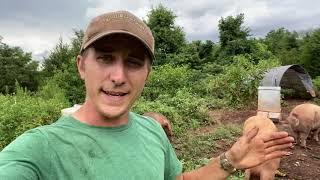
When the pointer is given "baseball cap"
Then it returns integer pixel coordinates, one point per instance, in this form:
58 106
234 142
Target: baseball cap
115 23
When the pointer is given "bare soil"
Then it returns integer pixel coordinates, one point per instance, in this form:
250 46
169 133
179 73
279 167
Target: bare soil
304 164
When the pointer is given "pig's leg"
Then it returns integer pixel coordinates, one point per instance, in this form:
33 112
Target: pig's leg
296 136
316 135
303 138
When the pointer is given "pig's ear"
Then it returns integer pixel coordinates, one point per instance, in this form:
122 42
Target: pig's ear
295 121
293 118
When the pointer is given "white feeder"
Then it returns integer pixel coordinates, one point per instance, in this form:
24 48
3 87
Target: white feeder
269 102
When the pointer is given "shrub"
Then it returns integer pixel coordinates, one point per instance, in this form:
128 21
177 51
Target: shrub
24 111
184 110
167 79
68 80
316 83
238 83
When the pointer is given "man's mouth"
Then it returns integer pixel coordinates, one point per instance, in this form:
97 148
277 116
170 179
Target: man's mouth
114 93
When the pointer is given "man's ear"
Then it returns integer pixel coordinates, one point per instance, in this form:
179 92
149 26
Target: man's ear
149 64
81 66
149 72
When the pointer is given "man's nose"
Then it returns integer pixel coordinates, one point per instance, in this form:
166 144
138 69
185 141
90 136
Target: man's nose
118 73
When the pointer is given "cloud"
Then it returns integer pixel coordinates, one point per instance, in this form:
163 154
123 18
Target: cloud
36 25
139 7
44 13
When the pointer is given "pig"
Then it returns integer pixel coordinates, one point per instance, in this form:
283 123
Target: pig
164 122
268 169
303 119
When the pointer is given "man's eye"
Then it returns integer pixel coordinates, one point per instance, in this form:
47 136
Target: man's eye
135 62
105 58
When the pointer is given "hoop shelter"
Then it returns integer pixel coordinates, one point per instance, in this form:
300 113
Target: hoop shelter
290 77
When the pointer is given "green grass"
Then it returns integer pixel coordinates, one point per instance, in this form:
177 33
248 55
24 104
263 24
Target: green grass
238 175
195 150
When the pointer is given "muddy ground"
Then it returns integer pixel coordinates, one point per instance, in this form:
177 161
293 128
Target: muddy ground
304 164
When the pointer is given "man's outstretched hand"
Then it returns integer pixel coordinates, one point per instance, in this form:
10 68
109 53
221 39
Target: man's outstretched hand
251 150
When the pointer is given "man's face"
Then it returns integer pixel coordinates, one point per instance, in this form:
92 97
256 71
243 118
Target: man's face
114 71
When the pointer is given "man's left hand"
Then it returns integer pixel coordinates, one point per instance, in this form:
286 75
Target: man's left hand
251 150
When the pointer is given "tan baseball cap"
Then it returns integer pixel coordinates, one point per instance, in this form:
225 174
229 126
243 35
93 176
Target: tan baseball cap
118 22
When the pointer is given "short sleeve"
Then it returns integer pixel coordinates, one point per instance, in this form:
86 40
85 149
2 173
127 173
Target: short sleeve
25 157
173 167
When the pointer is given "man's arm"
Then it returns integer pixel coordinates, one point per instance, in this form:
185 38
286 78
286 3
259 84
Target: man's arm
247 152
211 171
17 170
23 158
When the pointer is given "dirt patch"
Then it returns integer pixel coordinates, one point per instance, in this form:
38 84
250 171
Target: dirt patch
304 164
231 116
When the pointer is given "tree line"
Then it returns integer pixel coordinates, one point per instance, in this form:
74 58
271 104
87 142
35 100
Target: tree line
172 48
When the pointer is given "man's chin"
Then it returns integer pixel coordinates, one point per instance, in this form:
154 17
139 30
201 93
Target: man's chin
115 115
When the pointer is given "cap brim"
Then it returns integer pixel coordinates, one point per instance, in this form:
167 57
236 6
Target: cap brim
108 33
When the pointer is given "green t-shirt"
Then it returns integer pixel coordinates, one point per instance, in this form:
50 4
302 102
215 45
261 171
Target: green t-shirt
69 149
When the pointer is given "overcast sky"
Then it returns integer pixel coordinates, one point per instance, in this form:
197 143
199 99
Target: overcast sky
36 25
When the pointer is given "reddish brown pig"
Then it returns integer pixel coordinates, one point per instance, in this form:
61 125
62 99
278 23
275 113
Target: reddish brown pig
267 170
165 123
303 119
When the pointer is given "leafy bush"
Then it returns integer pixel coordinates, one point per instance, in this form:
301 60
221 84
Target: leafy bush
184 109
316 83
167 79
51 90
24 111
238 83
68 80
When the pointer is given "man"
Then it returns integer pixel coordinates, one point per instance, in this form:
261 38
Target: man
103 139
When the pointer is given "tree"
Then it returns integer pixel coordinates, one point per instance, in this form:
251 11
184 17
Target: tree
62 53
195 54
17 66
76 41
231 30
60 68
169 38
233 38
205 49
68 80
310 56
284 44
